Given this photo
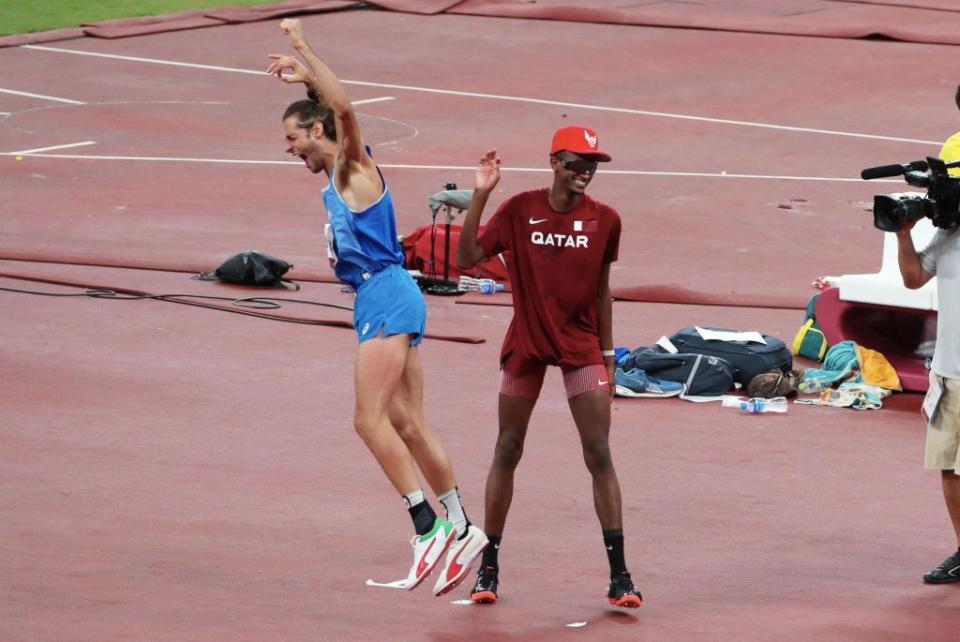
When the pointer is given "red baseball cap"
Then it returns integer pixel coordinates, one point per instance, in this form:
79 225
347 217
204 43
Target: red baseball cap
579 140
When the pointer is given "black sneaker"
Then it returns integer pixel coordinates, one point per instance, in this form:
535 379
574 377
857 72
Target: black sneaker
948 571
622 593
485 588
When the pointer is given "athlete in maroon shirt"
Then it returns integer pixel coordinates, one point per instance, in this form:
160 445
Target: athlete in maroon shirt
560 243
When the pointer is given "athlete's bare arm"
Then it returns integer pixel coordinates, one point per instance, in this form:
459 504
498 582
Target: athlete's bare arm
330 90
605 321
353 162
469 252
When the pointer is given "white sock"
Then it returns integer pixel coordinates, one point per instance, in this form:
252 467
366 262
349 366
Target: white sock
414 498
451 504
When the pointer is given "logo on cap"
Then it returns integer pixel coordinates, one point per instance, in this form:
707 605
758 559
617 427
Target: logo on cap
578 140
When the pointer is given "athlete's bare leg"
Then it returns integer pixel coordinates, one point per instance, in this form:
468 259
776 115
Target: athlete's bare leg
514 414
408 419
591 413
379 369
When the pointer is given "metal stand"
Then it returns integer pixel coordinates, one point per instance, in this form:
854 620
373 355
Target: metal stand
433 285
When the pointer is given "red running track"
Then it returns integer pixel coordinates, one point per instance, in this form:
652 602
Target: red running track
180 473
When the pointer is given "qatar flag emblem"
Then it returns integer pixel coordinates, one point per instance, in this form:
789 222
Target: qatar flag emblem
584 226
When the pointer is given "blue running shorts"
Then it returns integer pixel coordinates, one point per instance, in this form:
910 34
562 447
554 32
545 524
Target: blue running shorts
389 303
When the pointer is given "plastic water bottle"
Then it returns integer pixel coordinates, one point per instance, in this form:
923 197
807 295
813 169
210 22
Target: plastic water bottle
757 405
486 286
814 384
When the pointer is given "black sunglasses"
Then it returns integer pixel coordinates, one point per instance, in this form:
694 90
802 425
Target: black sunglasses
579 166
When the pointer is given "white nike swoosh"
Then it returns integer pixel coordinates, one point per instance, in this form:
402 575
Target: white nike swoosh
537 221
602 383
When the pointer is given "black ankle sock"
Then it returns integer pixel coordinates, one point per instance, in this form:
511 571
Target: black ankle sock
613 541
423 517
490 552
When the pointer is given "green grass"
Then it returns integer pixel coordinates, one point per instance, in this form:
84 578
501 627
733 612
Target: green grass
24 16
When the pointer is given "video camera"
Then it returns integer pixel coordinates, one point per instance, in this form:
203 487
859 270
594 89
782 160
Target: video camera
941 203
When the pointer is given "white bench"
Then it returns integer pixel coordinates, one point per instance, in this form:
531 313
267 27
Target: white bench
886 286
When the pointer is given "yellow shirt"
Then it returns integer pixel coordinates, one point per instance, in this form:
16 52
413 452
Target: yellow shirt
951 152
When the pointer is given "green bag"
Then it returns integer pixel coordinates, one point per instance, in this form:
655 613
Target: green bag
809 341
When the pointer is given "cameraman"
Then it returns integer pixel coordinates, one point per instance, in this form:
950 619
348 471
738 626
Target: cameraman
941 258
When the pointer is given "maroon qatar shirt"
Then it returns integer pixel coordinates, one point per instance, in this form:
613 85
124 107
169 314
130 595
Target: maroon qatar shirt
555 260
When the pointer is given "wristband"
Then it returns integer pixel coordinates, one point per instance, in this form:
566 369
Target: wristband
609 353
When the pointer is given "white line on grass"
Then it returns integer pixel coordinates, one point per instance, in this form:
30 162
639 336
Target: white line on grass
24 152
465 168
29 95
471 94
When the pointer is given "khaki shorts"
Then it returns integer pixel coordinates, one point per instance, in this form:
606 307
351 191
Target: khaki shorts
943 433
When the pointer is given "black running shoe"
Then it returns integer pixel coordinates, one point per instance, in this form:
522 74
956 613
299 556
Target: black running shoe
622 592
948 571
485 588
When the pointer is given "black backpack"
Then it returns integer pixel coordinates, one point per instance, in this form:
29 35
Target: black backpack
252 268
701 374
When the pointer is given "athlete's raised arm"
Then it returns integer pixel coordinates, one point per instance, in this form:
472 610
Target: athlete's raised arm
327 87
469 252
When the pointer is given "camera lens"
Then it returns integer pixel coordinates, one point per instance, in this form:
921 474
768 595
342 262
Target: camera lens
891 212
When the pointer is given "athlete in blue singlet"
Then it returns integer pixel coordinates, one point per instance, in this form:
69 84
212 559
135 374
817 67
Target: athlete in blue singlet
366 254
389 313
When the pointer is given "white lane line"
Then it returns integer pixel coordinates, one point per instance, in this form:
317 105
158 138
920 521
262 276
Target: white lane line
465 168
367 101
29 95
5 113
536 101
53 147
641 112
639 172
155 61
168 159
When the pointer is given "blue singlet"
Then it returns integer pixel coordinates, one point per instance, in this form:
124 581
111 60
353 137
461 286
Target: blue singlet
368 256
363 242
